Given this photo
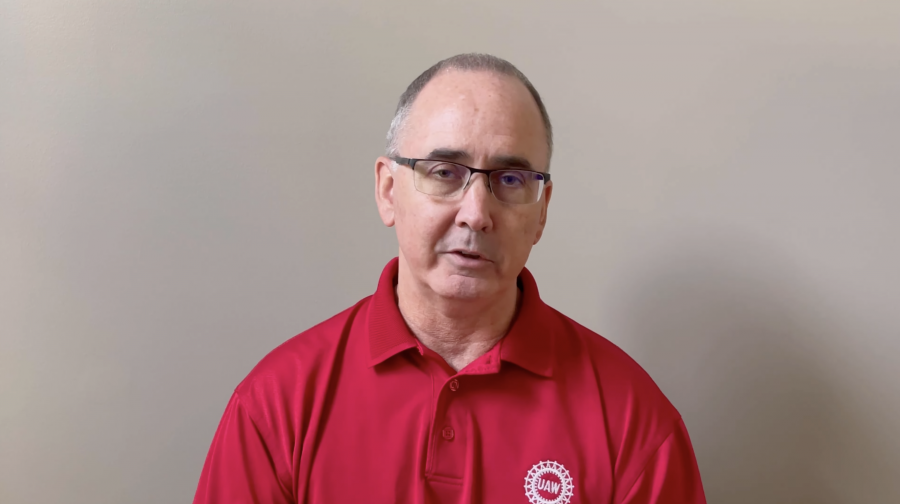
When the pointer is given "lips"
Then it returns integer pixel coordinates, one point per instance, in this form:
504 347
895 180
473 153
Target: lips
469 254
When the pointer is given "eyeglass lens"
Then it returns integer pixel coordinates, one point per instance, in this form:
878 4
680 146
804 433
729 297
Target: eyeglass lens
509 186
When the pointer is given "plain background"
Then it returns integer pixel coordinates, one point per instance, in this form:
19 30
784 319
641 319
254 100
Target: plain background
184 185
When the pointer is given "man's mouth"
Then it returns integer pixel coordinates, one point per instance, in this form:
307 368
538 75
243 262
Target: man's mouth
468 254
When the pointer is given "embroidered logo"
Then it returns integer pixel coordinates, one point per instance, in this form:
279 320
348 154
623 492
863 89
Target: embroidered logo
548 483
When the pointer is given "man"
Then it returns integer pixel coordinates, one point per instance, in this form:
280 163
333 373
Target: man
454 382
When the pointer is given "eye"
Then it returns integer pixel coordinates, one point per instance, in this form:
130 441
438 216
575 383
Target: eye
445 172
511 179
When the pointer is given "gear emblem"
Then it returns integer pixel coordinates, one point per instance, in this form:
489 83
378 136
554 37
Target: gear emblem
548 482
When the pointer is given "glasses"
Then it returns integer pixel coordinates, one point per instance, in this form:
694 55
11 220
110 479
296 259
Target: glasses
446 179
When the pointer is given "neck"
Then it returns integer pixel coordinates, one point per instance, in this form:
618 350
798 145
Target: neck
459 330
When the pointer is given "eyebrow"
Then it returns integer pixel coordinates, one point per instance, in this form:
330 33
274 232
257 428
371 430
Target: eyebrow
499 162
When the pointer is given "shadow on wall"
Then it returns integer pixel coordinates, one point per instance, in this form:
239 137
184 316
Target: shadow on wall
747 348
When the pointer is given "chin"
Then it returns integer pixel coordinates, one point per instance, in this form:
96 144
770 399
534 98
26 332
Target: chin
462 287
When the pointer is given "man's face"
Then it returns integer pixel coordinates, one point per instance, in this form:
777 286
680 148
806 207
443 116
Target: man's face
482 120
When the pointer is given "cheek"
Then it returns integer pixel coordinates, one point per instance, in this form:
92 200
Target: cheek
526 227
524 223
420 227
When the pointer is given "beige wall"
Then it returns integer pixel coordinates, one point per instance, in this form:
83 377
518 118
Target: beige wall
184 185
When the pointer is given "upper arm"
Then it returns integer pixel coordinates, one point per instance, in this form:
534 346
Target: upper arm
669 475
243 465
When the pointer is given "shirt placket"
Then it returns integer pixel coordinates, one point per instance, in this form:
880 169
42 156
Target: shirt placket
447 463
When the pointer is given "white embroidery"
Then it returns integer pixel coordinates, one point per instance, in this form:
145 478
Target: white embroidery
536 483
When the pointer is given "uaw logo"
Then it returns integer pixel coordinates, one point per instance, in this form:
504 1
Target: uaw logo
548 483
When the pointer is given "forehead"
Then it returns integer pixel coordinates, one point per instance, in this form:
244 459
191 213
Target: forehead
481 114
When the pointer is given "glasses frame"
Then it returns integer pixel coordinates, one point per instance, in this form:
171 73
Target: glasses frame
411 163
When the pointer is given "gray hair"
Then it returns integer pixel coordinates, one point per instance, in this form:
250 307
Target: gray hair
471 62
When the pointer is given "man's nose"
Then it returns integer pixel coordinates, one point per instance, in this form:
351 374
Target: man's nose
476 205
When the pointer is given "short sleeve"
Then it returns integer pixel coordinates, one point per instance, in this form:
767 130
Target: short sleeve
671 475
239 466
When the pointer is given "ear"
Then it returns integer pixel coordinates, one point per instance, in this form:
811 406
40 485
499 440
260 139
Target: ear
384 189
545 203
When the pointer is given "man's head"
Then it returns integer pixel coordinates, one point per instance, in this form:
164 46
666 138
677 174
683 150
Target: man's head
478 111
463 62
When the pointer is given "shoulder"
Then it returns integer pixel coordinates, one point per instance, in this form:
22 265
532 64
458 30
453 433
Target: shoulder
607 358
286 375
628 393
637 416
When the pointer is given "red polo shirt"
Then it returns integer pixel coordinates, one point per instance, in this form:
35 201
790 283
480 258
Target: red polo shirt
356 409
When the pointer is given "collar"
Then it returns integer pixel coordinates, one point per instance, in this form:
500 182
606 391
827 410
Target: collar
528 344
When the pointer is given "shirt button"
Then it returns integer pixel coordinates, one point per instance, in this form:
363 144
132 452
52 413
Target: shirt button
448 433
454 385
